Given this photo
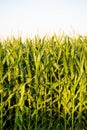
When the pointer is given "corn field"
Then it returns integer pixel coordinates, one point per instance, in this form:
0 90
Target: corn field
43 83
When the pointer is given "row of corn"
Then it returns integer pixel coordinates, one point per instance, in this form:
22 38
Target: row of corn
43 83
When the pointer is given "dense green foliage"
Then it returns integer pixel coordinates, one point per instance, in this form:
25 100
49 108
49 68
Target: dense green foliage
43 83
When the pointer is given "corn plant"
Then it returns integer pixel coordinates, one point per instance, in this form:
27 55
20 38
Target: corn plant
43 83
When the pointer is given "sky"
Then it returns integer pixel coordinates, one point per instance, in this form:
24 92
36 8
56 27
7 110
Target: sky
40 17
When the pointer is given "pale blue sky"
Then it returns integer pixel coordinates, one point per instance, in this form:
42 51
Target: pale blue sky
30 17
